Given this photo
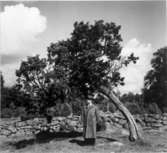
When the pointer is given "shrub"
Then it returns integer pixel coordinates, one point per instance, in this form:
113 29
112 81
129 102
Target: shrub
63 109
101 125
134 108
153 108
7 113
164 109
20 111
77 106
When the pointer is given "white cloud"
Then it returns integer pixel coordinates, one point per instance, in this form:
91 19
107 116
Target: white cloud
134 73
20 26
8 72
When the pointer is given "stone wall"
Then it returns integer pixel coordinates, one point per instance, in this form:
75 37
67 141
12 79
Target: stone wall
69 124
36 125
154 121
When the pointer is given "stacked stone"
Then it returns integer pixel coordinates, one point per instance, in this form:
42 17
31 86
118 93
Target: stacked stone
164 119
115 119
34 126
154 121
73 123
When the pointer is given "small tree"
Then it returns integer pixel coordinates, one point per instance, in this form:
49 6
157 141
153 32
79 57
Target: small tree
12 99
36 78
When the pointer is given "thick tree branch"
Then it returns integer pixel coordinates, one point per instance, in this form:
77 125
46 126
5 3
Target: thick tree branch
133 128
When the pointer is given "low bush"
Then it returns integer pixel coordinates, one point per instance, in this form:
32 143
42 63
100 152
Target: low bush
101 125
10 112
134 108
7 113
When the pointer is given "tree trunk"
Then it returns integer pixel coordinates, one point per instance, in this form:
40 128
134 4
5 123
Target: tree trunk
108 106
134 131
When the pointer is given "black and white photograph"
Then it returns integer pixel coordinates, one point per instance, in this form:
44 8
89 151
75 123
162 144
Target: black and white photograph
83 76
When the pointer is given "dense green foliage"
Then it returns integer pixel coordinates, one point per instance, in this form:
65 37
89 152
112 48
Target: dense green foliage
134 102
74 68
132 98
155 90
13 101
81 57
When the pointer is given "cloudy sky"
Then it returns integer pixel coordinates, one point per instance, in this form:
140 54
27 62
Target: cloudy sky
28 28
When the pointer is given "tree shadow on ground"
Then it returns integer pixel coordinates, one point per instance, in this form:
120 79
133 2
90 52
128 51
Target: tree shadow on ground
108 139
83 143
79 142
44 137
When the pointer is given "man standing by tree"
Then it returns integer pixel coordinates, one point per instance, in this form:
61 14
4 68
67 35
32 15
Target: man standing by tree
90 120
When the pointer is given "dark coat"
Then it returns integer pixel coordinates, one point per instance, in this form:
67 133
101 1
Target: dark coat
90 118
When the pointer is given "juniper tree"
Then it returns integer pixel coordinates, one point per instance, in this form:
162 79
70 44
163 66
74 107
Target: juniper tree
87 62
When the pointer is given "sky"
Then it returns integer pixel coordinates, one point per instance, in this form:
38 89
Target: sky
27 29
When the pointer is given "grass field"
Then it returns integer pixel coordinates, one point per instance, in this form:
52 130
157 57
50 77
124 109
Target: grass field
107 142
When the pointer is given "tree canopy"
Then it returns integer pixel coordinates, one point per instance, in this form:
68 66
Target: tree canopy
82 56
155 90
86 63
76 67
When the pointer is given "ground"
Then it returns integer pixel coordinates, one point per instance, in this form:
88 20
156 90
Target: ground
112 141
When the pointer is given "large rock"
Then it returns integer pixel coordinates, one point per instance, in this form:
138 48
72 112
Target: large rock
156 125
163 128
118 115
140 121
157 116
164 118
164 122
164 114
151 120
122 121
